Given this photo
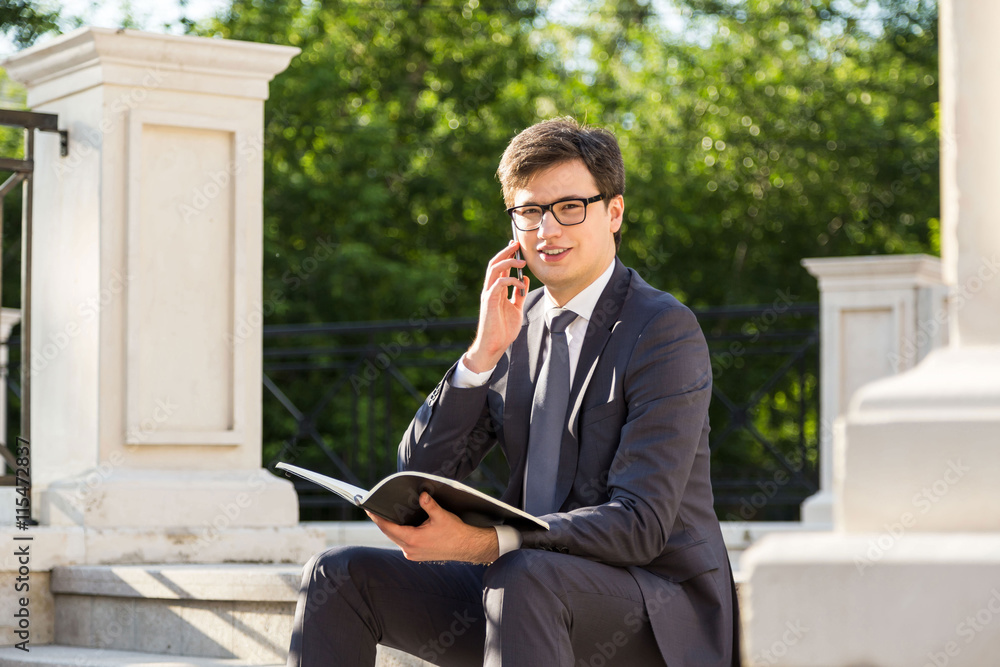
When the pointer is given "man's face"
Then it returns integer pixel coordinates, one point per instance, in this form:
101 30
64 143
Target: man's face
567 259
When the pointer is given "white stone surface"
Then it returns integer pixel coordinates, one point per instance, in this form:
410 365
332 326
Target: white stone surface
49 547
146 361
243 583
40 607
924 448
202 545
879 315
885 599
64 545
217 499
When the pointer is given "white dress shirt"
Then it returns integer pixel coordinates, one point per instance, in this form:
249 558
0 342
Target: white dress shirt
583 305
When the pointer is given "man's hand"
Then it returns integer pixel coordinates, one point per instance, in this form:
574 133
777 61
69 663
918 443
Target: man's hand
500 317
443 536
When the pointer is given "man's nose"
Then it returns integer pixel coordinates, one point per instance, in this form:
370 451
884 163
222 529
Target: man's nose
549 226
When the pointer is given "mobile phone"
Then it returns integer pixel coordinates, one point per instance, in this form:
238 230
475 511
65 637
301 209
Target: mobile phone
517 255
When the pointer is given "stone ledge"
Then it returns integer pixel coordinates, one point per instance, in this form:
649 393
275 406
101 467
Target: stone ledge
73 656
53 546
234 582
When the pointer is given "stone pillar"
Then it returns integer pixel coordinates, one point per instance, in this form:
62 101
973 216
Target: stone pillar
879 315
911 575
146 378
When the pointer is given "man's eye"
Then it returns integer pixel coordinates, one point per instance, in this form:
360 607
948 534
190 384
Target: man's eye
532 210
569 206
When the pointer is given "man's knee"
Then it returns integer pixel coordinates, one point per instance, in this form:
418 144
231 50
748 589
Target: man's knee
327 572
523 572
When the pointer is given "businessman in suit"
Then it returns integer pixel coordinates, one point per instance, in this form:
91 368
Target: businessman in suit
597 390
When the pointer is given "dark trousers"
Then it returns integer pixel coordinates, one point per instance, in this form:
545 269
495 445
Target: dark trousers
529 608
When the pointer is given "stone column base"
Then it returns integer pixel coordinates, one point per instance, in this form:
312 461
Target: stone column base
889 599
923 448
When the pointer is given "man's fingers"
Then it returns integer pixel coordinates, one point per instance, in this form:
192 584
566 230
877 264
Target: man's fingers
499 290
432 508
519 295
429 505
496 267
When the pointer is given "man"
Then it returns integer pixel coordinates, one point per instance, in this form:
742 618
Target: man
597 389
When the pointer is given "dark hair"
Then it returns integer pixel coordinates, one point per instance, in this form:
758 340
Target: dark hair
552 142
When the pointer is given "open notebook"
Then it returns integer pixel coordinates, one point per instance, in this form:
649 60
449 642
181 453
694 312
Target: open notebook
396 498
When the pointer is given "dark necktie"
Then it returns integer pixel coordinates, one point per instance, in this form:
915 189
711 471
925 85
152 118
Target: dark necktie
548 418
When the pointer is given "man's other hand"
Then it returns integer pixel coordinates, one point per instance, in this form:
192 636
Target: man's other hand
443 536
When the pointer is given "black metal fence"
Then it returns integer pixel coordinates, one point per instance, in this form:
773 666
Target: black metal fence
338 397
10 374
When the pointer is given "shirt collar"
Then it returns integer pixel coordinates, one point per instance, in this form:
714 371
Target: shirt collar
583 304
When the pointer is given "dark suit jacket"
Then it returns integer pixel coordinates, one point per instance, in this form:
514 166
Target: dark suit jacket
634 463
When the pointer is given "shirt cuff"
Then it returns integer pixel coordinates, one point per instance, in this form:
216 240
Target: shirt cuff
463 378
508 538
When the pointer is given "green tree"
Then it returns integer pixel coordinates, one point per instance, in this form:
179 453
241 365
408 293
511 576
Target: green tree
24 21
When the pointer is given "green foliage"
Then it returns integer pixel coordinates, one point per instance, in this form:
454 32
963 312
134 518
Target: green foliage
24 21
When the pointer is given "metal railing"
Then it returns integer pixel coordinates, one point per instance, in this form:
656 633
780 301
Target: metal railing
339 396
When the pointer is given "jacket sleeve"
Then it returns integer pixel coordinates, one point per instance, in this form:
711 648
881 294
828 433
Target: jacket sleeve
666 387
451 433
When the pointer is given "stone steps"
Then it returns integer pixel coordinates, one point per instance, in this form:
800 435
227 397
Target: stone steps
180 614
74 656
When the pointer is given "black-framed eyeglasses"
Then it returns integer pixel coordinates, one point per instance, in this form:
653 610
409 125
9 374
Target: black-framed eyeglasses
567 212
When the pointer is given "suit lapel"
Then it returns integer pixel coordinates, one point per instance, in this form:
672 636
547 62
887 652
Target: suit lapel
602 322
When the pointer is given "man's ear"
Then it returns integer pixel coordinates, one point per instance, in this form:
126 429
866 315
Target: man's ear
616 209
